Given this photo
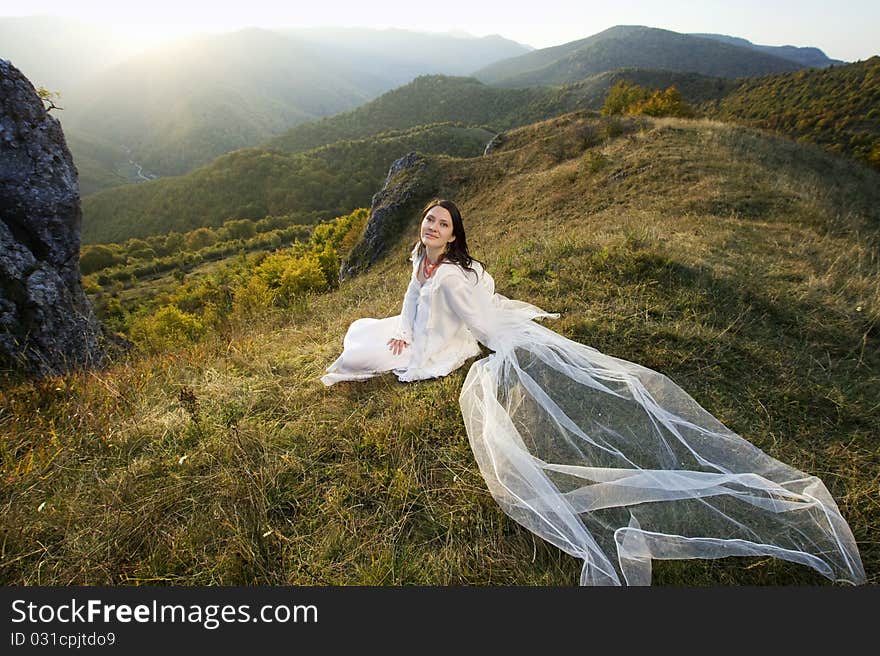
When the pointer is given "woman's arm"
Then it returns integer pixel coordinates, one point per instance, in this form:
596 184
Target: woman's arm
473 304
408 312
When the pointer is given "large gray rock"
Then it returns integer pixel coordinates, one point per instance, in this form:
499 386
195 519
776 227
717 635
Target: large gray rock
408 186
46 321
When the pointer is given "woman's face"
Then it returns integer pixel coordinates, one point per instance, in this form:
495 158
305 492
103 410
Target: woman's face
437 227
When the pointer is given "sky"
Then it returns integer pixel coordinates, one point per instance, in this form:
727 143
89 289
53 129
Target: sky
846 30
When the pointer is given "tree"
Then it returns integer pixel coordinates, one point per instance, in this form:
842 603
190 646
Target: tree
47 97
240 228
199 238
626 98
96 257
664 103
622 96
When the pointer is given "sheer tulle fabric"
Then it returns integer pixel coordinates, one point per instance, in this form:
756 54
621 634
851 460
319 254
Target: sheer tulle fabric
616 465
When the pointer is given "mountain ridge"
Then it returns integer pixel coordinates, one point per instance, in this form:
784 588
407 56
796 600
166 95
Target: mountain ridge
631 46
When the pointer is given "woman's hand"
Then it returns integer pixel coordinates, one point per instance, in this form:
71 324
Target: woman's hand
397 345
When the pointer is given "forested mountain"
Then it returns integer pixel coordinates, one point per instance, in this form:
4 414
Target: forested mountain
694 88
270 179
805 56
837 107
133 115
252 183
632 46
428 99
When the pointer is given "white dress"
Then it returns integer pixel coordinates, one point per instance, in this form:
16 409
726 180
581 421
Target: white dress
610 461
436 321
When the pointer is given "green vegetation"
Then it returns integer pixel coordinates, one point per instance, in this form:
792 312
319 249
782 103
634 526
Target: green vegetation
694 88
742 265
626 98
330 166
138 258
256 182
837 107
319 173
427 99
160 312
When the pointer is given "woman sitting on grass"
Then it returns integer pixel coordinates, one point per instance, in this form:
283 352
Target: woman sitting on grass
608 460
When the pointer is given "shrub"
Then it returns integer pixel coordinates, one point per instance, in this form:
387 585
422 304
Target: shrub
272 268
97 257
626 98
301 276
251 298
664 103
622 96
240 228
199 238
328 260
166 328
174 241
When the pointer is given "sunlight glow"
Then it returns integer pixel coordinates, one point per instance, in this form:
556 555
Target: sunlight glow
846 33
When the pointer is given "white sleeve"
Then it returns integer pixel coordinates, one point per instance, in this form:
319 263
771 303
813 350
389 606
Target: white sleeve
473 304
408 312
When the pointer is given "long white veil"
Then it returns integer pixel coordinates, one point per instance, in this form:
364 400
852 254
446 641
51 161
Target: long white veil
615 464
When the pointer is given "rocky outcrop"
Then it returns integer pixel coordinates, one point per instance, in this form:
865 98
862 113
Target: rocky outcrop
46 321
494 143
407 188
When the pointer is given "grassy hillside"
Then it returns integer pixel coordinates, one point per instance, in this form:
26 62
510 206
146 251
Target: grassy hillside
633 46
429 99
743 266
837 107
255 182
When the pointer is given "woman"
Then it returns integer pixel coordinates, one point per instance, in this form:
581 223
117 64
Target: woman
610 461
443 311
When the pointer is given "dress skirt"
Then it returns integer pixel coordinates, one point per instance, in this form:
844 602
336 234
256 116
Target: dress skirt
610 461
366 353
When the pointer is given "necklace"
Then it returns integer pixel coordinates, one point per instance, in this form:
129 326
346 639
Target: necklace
429 268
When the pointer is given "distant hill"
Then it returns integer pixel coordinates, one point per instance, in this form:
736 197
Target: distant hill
253 183
432 98
837 107
397 56
805 56
635 46
428 99
182 106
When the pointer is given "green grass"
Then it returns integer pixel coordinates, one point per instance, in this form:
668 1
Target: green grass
742 266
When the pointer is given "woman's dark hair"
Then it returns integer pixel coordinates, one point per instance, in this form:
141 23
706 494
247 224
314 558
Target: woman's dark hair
456 250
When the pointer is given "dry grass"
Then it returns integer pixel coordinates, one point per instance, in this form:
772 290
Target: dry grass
744 267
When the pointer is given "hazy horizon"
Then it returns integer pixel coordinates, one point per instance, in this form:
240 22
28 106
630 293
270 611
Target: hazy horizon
845 34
